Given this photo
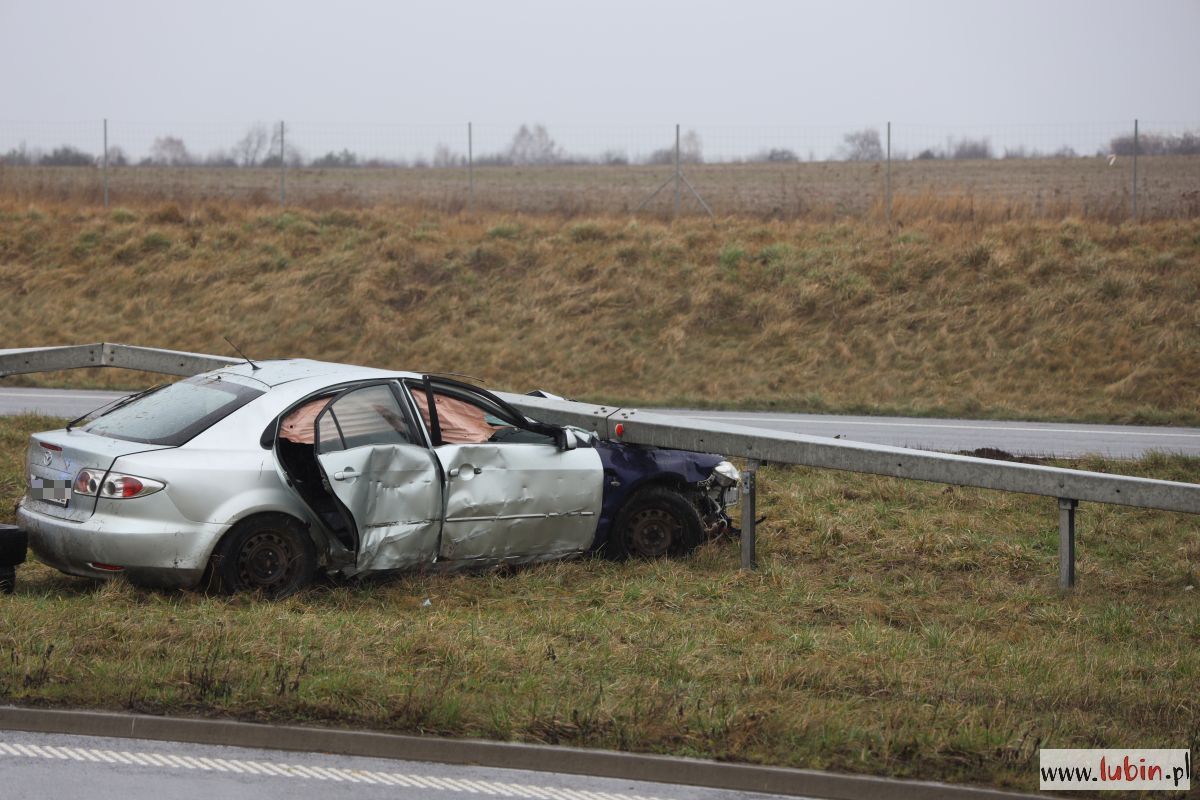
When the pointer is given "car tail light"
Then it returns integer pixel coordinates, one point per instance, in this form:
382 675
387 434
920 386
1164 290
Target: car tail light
114 486
105 567
87 482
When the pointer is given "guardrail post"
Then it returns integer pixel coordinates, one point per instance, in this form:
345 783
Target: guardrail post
749 486
1066 542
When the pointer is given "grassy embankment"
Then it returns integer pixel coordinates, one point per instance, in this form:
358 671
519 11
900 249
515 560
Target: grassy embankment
894 628
1065 320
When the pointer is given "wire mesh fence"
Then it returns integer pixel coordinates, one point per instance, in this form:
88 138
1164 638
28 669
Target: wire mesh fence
1147 169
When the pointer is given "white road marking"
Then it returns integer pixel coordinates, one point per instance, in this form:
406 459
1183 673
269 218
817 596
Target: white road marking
1100 432
337 774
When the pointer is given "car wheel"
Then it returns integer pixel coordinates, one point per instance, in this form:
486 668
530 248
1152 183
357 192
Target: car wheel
656 522
272 555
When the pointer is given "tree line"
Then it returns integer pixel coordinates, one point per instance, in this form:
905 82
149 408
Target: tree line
532 145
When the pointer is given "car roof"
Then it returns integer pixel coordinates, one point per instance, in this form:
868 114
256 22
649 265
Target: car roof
281 371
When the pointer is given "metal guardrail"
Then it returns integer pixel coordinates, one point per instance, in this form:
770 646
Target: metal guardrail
667 430
757 445
104 354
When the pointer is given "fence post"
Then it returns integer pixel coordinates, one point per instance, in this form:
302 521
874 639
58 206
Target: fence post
678 174
106 162
470 168
282 167
1135 155
749 496
1066 542
888 175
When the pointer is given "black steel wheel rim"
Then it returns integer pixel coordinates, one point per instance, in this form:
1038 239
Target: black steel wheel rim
653 532
265 561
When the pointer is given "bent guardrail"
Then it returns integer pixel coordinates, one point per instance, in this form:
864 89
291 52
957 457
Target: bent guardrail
23 360
757 445
668 430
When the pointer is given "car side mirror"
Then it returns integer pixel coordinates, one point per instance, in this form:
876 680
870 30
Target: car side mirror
566 439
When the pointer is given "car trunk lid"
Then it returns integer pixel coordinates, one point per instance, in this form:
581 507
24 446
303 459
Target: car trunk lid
53 460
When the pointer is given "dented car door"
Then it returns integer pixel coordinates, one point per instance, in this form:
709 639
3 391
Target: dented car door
514 500
511 492
376 464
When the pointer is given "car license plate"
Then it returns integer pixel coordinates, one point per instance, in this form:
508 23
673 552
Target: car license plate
49 490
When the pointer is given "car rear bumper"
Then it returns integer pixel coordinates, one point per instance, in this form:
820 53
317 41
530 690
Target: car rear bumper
147 550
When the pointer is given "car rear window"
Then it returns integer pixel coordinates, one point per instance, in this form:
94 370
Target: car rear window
174 414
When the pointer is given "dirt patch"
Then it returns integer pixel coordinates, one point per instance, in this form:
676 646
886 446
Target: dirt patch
996 454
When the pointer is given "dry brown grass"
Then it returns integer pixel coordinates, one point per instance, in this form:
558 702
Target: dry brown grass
1081 320
949 191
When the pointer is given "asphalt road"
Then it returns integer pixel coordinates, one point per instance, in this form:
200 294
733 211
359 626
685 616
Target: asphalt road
949 435
68 403
1063 440
38 765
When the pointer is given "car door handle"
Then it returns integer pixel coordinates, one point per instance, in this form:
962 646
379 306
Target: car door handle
456 471
347 474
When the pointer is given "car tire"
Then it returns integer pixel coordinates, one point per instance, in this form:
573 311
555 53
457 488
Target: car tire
656 522
268 554
8 579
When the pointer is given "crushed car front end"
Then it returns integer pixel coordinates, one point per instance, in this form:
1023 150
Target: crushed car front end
708 481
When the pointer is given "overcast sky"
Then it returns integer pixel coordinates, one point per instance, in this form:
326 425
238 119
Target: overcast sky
596 65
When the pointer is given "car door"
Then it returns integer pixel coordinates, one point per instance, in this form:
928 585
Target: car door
511 491
377 465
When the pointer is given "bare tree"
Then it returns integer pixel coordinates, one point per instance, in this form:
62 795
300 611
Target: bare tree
291 153
691 151
443 156
533 146
1158 144
19 156
169 151
250 147
862 145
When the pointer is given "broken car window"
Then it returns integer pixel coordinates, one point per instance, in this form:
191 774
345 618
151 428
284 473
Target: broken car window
368 416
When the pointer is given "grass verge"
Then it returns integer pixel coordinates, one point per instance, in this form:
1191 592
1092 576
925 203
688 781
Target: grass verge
1032 320
894 627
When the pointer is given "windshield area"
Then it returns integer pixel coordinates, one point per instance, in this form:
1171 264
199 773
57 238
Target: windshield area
174 414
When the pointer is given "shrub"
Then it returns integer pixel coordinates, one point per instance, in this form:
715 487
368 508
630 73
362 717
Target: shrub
67 156
505 230
155 242
587 232
731 256
966 149
332 160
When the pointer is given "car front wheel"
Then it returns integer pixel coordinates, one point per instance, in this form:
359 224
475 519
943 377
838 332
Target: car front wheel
272 555
656 522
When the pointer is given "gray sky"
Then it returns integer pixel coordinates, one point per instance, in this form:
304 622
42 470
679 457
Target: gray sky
1064 69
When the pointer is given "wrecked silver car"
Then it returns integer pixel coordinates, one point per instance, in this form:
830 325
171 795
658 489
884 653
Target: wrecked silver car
258 476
